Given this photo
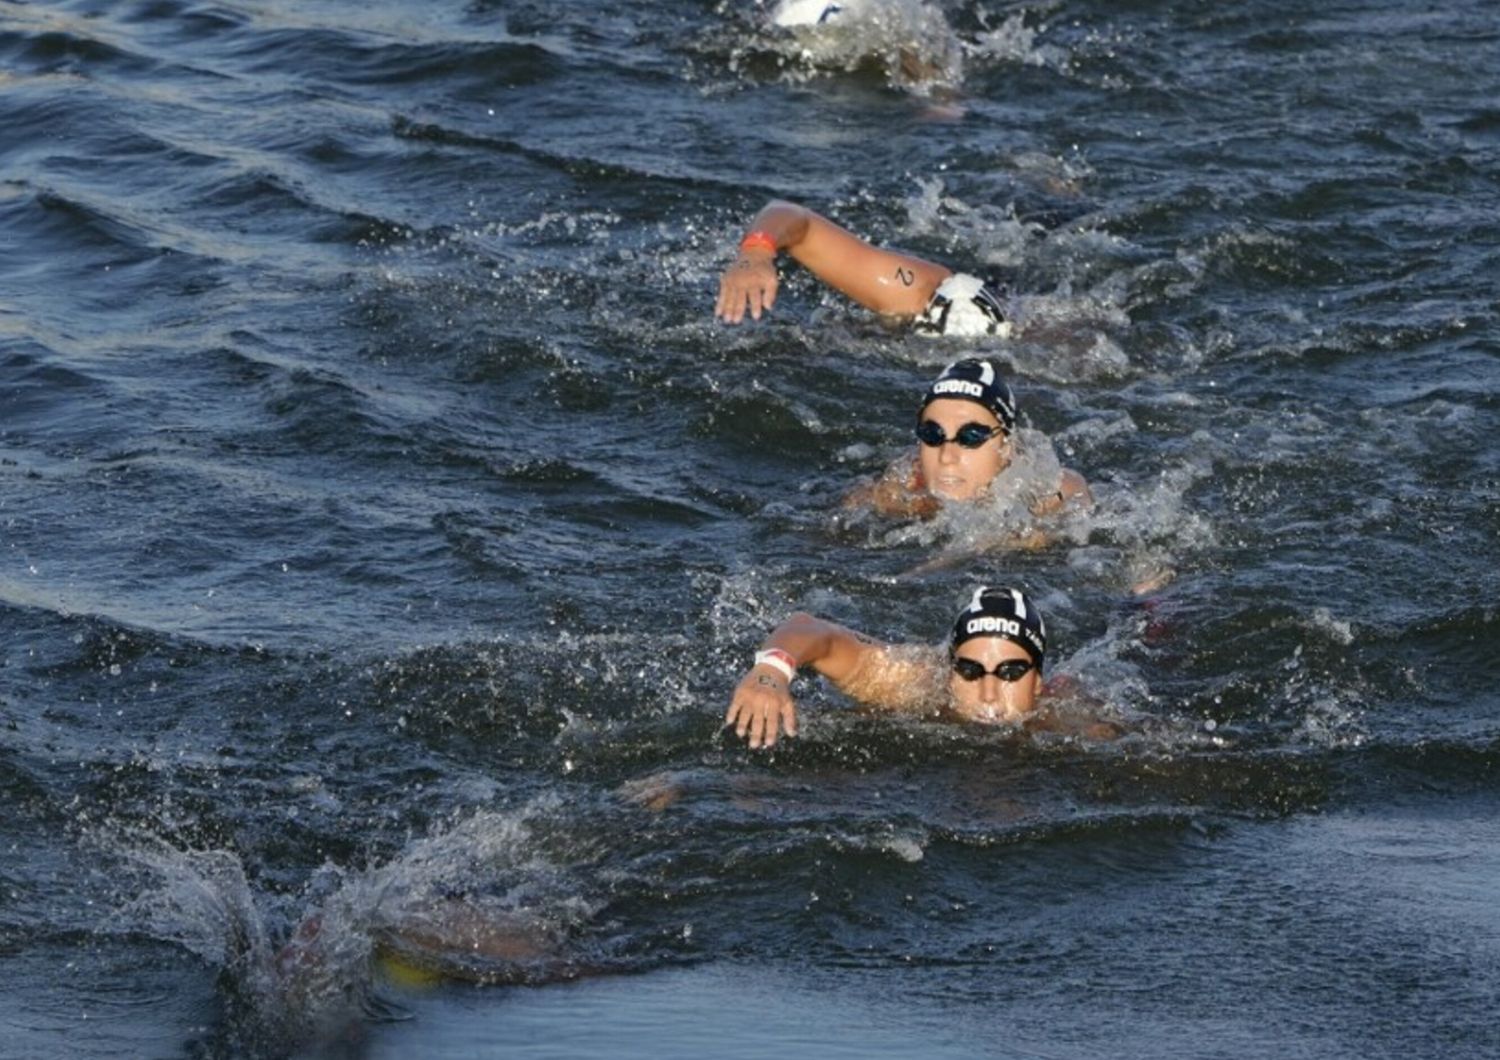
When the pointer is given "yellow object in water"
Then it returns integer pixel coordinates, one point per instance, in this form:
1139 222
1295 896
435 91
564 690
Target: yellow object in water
403 973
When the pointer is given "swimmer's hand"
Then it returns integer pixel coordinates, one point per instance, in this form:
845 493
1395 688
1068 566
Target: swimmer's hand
762 705
749 283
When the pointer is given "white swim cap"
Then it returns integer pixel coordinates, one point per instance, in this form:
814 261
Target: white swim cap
810 12
964 306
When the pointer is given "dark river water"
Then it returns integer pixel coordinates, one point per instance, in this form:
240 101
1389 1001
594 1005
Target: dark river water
381 507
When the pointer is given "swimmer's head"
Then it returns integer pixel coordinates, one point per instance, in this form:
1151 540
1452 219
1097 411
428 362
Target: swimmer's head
964 306
996 652
963 430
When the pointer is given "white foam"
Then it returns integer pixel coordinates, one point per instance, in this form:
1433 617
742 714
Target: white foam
202 901
992 232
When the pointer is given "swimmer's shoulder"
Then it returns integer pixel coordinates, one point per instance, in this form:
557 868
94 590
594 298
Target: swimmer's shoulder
1072 489
1073 486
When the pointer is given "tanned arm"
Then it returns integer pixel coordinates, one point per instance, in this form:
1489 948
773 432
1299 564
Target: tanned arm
887 281
762 704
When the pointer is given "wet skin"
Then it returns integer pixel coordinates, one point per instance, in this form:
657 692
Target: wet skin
989 699
952 472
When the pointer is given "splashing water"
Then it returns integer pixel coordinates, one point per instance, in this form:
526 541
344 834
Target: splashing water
494 897
909 41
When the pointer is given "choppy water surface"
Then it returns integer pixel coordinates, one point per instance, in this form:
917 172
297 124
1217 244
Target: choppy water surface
378 498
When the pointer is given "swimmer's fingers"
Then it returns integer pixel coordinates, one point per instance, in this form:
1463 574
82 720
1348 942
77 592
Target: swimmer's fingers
738 716
724 308
752 724
734 295
761 705
740 713
776 715
750 283
758 735
740 709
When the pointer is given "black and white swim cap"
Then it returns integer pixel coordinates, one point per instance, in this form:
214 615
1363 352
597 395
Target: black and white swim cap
996 611
796 13
978 380
964 306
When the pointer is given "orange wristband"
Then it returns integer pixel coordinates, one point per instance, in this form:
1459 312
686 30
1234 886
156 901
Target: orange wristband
758 238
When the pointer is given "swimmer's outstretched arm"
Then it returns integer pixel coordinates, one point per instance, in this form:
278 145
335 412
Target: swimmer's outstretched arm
886 281
762 704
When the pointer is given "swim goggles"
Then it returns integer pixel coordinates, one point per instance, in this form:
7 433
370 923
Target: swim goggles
1008 671
970 435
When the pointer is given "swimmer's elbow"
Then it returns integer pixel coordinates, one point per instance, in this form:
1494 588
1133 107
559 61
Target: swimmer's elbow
806 627
787 206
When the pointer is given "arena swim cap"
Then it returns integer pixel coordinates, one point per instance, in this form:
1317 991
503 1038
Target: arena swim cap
964 306
811 12
996 611
978 380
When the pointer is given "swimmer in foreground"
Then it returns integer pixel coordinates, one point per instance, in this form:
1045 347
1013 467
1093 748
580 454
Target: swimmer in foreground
991 673
933 298
447 938
966 435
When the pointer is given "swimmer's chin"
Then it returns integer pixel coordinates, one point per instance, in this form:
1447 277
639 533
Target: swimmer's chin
993 716
955 493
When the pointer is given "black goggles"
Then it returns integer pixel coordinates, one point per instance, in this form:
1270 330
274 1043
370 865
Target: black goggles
1008 671
970 435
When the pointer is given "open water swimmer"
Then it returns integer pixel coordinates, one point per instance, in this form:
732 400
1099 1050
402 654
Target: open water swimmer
967 439
990 673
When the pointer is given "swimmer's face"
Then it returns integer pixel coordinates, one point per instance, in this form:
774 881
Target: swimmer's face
989 699
952 472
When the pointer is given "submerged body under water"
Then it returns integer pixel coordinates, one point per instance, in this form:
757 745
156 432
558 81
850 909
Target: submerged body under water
386 521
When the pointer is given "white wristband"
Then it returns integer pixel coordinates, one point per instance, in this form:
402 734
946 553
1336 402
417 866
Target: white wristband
777 659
